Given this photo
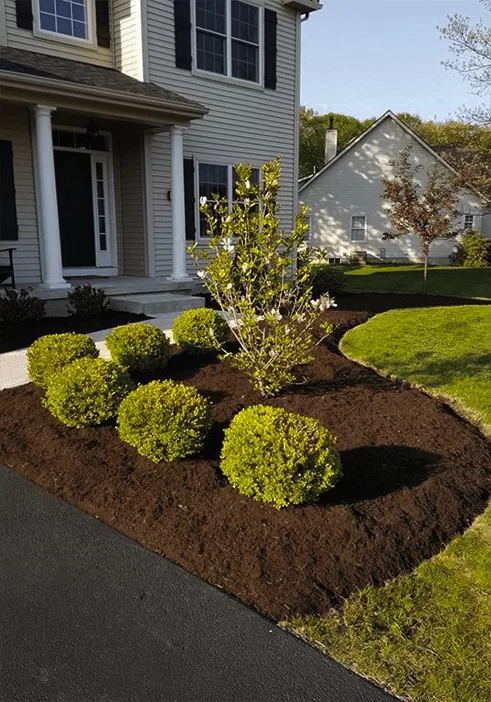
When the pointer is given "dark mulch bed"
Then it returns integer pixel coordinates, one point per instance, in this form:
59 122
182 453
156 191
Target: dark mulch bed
415 474
13 337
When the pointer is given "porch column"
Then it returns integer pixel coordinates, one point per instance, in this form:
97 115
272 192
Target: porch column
51 267
178 206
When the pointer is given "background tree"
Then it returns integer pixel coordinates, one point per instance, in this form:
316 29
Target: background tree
312 136
426 209
470 45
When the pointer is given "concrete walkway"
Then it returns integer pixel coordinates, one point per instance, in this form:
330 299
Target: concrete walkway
13 364
88 615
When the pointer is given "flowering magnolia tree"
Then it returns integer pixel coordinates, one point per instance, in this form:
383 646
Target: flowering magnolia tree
428 211
249 269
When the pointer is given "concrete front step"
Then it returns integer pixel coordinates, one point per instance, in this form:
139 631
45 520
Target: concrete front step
155 303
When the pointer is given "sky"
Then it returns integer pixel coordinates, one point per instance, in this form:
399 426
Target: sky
364 57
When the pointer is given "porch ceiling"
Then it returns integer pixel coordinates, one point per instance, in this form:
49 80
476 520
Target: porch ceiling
31 78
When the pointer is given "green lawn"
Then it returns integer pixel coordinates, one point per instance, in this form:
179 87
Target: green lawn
461 282
426 636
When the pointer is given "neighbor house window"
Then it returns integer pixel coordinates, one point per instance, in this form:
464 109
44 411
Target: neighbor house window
468 221
227 38
66 17
358 227
213 180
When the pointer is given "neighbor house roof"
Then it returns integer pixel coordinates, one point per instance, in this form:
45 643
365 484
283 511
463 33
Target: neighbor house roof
387 115
41 69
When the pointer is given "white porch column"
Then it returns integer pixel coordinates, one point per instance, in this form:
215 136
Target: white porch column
51 267
178 206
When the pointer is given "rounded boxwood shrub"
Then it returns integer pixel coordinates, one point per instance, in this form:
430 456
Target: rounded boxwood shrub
164 420
50 353
279 457
200 330
87 392
139 347
324 279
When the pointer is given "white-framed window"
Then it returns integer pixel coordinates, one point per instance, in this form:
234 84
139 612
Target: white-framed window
228 38
358 227
468 221
217 179
67 19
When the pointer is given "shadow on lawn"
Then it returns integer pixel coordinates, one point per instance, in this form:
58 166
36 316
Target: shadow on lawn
434 374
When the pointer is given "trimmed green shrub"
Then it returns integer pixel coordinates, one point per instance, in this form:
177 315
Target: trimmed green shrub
86 301
279 457
87 392
164 420
139 347
325 279
50 353
200 330
19 306
472 251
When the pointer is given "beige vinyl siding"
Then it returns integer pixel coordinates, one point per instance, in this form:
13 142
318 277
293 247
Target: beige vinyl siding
352 187
127 37
246 123
133 208
15 127
25 39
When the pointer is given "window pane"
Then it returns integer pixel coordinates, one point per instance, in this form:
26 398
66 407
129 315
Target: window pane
245 22
99 172
210 15
468 221
357 235
210 52
66 17
103 242
244 61
47 22
213 180
47 6
358 222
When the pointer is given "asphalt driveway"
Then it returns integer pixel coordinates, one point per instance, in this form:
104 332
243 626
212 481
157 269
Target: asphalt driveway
86 615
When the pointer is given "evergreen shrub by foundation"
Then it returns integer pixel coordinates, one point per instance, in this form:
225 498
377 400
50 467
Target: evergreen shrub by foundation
200 330
52 352
325 279
20 306
279 457
164 420
86 301
87 392
139 347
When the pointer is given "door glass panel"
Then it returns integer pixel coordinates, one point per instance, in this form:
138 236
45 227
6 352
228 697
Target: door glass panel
101 204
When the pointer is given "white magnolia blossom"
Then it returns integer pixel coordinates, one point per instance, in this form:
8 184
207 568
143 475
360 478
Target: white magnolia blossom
229 286
201 274
272 353
245 266
247 201
275 314
227 245
287 330
248 184
203 200
323 303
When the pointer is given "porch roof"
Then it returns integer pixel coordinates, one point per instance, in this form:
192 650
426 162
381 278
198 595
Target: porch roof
31 77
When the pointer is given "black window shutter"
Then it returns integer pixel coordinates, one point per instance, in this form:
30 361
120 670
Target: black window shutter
23 9
270 46
8 212
189 198
102 22
182 33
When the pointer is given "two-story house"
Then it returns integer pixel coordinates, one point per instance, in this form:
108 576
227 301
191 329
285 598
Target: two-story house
117 115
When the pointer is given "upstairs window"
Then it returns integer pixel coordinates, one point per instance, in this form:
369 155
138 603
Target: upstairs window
468 221
227 38
358 227
68 18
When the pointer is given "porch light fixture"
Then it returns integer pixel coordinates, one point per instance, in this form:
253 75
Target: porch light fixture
92 134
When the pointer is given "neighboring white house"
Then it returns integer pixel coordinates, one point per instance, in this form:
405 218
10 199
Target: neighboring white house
346 210
117 115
